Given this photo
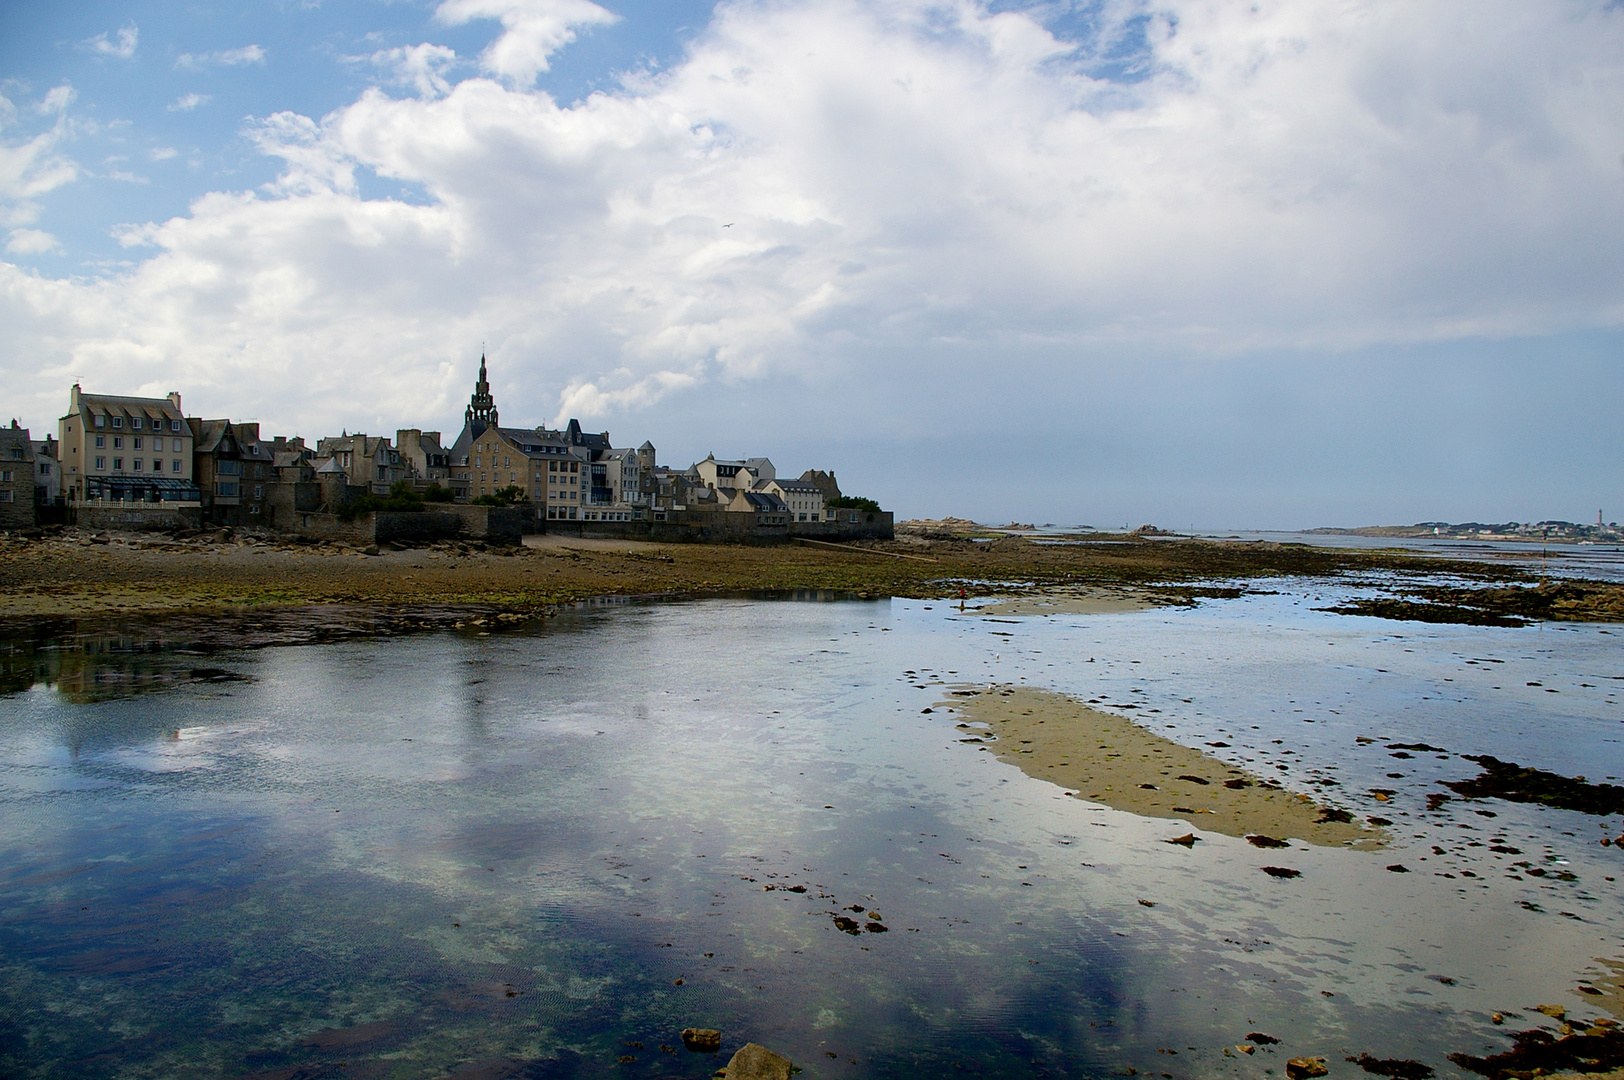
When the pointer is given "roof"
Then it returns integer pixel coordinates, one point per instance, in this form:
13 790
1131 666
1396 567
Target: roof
764 503
16 438
211 433
113 404
806 486
329 467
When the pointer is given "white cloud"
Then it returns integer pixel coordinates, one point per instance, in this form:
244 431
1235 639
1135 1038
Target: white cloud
162 153
420 67
248 54
30 242
188 102
916 188
123 48
532 30
32 167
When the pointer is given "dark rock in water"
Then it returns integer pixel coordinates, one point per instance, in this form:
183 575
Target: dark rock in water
1435 801
1331 814
1379 821
1187 840
702 1040
1282 872
1516 783
1237 783
876 928
1259 840
1410 611
756 1062
1415 746
1397 1068
1261 1039
1399 868
1541 1052
848 925
1300 1068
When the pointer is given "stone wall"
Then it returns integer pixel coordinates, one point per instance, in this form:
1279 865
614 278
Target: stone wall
494 524
138 517
686 527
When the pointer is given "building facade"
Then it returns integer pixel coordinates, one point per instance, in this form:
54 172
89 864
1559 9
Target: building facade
125 449
16 478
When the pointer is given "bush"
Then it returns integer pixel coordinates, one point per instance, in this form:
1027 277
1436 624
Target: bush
508 496
401 499
437 494
853 502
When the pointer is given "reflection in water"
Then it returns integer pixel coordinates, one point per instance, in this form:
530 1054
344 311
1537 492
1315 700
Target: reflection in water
539 853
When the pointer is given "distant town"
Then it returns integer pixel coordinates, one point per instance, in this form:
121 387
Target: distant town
1474 530
135 462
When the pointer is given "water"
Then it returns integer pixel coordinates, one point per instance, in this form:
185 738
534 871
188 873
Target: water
523 853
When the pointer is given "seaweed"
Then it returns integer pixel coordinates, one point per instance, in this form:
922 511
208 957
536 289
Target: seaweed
1397 1068
1538 1051
1518 783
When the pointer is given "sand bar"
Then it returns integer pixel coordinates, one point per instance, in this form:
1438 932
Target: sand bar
1078 600
1113 761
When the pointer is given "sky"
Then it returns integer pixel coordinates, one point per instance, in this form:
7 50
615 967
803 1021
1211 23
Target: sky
1192 263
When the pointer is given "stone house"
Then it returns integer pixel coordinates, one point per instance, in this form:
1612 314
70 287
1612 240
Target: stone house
368 461
47 472
16 478
125 449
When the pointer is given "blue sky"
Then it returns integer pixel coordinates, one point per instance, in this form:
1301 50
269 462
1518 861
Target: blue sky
1211 263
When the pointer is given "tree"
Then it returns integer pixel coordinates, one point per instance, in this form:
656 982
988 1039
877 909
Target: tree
853 502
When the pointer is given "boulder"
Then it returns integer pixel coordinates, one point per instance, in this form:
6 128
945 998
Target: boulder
1301 1068
755 1062
702 1040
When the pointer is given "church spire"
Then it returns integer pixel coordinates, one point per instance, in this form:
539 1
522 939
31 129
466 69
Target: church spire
481 406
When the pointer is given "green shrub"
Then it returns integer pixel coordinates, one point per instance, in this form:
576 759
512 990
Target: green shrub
853 502
508 496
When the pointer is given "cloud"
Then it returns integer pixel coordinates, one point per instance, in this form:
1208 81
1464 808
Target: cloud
248 54
123 48
919 193
420 67
532 30
188 102
30 242
162 153
32 167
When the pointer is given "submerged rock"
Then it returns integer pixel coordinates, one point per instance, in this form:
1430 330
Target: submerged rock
1300 1068
756 1062
702 1040
1397 1068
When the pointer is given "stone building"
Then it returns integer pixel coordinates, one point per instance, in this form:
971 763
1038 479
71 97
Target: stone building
16 478
125 449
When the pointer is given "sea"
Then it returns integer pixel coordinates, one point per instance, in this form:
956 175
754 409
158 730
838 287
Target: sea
544 851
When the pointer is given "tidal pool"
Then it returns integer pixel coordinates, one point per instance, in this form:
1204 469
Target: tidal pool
544 852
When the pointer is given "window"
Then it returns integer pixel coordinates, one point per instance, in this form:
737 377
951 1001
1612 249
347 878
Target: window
552 466
157 466
135 443
45 468
101 463
101 441
227 488
118 421
174 425
135 463
100 420
176 446
5 476
135 422
229 468
118 442
259 491
118 464
174 466
575 466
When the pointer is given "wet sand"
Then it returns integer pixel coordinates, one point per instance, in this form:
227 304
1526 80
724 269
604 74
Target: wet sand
1079 600
1112 761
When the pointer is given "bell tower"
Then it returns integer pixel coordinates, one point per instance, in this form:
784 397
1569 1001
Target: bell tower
481 406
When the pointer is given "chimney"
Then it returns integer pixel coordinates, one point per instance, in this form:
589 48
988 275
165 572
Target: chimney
174 399
73 399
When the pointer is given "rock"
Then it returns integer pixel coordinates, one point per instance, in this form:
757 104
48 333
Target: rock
1555 1012
755 1062
370 549
1399 868
702 1040
1187 840
1282 872
1246 1048
1261 1039
1259 840
1300 1068
1496 1018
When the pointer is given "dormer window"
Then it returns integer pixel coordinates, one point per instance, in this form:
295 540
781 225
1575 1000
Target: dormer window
135 422
174 425
118 421
101 421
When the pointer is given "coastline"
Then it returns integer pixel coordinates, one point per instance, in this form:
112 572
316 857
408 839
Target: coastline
77 574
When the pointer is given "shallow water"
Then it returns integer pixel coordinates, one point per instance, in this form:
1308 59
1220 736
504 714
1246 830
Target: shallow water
500 853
